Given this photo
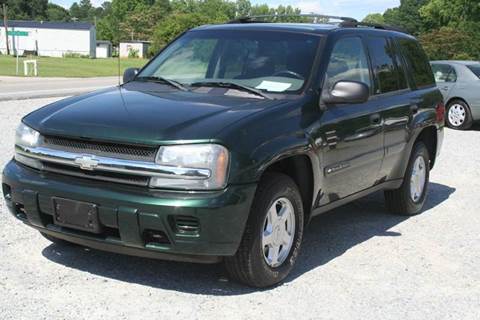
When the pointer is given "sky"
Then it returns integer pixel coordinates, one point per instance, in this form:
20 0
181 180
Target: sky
351 8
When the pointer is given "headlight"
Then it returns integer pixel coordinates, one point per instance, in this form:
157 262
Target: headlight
27 137
212 158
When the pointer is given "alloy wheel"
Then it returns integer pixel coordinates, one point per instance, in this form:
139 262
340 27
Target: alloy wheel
417 179
278 232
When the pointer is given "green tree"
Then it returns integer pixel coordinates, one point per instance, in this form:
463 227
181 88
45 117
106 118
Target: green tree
449 43
438 13
176 23
57 13
376 18
83 11
406 16
243 8
26 9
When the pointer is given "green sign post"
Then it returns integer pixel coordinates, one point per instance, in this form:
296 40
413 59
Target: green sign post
15 33
18 33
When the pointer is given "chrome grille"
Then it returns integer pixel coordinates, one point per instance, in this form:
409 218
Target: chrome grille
105 149
96 175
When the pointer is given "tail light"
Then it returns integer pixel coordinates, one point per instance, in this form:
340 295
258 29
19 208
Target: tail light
440 112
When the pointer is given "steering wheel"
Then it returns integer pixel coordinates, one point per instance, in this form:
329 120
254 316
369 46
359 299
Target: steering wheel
288 73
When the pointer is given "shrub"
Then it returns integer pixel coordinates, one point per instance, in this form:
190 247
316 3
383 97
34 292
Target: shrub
133 53
70 54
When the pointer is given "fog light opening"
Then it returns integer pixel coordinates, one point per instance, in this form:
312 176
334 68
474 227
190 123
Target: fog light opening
7 191
155 237
20 211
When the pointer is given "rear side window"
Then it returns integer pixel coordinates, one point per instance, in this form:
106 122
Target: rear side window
418 63
444 73
389 76
475 68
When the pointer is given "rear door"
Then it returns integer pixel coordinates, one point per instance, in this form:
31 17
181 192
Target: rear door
420 96
393 98
445 77
351 135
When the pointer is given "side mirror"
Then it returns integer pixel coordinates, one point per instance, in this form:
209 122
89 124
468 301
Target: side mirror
130 74
347 92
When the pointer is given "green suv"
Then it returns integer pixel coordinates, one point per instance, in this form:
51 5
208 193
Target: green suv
226 144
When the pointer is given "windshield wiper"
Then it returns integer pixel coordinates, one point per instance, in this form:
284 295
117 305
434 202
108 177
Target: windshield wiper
230 85
170 82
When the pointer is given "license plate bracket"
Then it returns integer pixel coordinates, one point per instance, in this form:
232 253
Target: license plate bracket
77 215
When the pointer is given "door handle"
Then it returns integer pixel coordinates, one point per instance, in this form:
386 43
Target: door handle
414 108
375 118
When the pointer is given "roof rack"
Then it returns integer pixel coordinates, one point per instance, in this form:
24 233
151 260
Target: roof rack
317 18
356 24
345 22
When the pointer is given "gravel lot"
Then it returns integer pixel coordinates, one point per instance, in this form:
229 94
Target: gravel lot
358 262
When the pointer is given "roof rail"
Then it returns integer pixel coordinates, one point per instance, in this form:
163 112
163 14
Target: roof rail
346 22
356 24
317 18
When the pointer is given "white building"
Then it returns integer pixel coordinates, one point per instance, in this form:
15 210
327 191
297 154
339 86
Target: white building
140 47
53 39
104 49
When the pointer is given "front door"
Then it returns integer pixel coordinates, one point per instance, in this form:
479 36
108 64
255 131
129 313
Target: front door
351 136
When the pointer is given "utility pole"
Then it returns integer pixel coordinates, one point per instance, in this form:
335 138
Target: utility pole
5 24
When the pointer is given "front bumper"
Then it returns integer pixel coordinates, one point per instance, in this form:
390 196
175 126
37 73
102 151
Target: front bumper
128 213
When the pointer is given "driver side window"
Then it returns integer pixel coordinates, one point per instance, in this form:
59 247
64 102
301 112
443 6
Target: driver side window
348 62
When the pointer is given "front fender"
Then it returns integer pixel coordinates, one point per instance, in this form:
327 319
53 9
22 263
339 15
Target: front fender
265 138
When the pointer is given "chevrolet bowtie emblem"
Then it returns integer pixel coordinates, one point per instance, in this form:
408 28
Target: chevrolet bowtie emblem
86 162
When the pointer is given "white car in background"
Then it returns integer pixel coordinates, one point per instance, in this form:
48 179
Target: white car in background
459 82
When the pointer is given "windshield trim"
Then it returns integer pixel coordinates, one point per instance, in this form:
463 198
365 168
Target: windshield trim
309 81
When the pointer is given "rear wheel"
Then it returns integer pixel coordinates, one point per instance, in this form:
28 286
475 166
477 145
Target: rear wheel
410 198
273 235
459 115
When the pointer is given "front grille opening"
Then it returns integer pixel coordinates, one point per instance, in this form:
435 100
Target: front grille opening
185 225
106 149
97 175
154 237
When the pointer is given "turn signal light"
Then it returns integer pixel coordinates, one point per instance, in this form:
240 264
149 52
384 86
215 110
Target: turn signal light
440 112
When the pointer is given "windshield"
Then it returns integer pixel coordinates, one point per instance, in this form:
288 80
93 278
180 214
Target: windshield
277 62
475 68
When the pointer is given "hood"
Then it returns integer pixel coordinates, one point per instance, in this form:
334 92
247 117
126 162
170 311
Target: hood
143 113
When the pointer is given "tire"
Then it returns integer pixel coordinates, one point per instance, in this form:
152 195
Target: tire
249 265
458 115
56 240
401 201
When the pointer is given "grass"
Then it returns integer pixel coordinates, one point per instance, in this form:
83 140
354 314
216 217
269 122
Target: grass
70 67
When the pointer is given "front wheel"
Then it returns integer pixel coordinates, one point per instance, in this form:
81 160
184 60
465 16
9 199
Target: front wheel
273 235
410 198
